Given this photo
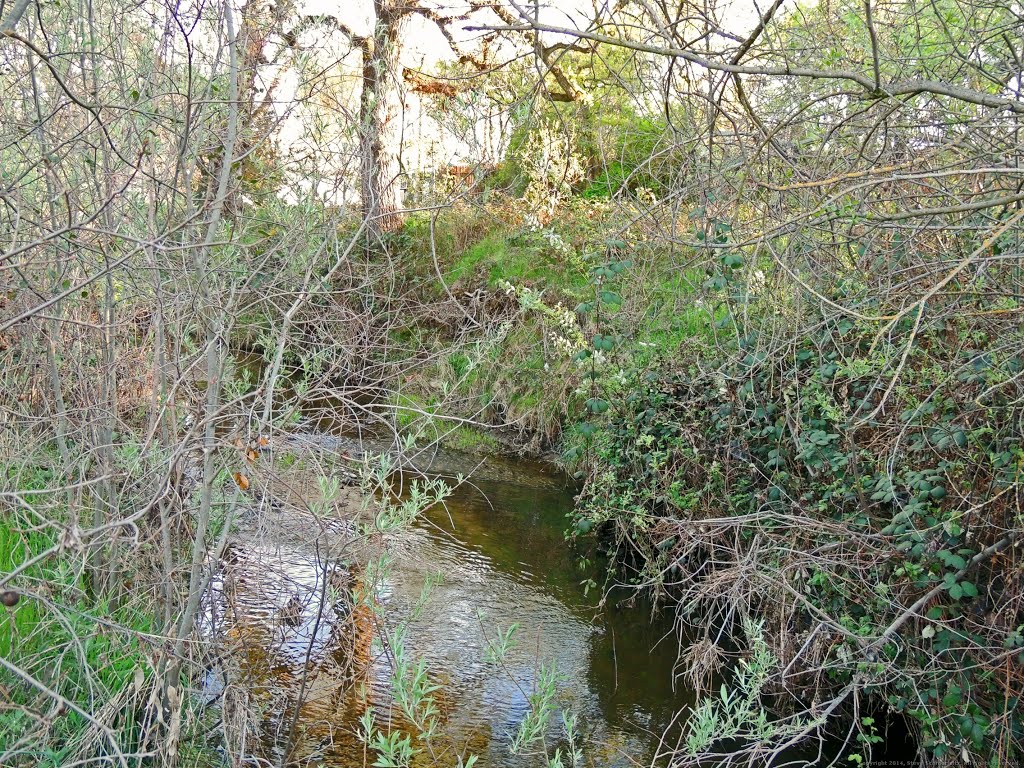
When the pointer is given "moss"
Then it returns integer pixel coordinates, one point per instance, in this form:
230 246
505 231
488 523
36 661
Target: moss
470 440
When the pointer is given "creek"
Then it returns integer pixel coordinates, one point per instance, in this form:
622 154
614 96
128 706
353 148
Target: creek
498 554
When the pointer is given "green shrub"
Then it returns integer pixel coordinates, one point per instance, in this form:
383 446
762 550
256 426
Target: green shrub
865 474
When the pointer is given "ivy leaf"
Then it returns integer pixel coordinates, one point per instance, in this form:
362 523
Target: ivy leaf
716 283
951 560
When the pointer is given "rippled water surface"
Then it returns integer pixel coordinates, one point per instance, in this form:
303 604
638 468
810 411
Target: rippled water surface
498 547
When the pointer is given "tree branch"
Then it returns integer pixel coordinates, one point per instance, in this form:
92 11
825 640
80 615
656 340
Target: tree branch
909 87
17 11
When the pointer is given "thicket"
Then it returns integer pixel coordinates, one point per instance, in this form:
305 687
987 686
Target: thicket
847 480
856 486
794 365
769 282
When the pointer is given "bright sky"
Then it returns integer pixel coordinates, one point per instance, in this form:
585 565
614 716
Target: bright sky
423 46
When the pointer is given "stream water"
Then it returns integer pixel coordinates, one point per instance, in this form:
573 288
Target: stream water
497 551
501 549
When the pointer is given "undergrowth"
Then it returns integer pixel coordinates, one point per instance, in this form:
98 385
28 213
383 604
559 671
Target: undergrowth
75 657
856 485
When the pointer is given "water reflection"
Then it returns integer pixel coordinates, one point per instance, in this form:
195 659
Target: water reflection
498 548
510 562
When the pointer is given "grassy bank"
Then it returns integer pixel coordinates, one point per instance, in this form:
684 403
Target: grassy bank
77 654
850 486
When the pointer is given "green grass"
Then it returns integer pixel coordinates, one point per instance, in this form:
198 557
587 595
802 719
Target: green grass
71 642
415 414
470 440
15 548
662 315
674 314
497 259
490 252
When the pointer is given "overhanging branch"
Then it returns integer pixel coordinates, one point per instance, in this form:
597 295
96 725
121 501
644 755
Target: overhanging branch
908 87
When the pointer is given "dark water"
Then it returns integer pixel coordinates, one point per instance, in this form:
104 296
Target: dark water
499 544
497 556
497 551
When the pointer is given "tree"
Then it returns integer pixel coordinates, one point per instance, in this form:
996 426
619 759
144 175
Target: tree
382 76
380 99
381 86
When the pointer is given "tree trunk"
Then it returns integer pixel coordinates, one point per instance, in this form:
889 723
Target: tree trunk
377 111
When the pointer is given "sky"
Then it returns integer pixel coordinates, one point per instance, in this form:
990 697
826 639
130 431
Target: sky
425 146
424 43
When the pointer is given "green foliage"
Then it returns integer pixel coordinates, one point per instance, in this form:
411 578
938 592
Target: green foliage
773 434
395 514
635 160
497 650
412 688
419 419
529 257
81 645
533 729
740 712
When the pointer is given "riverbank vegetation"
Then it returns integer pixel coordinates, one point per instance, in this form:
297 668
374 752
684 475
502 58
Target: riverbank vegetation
752 275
